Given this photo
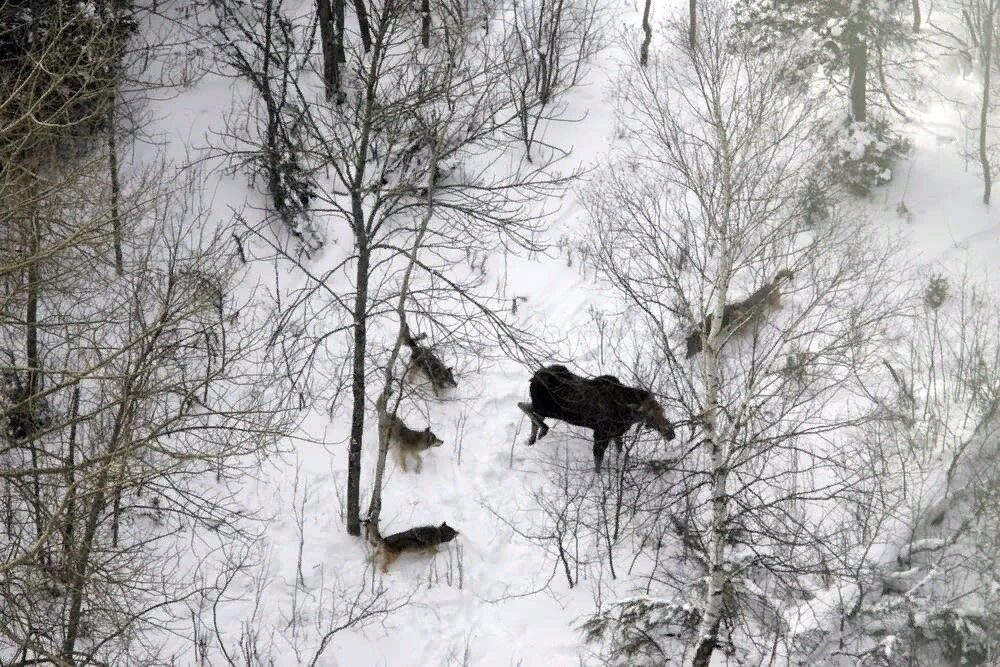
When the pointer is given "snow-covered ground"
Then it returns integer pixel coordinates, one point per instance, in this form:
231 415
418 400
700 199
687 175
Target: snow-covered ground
491 597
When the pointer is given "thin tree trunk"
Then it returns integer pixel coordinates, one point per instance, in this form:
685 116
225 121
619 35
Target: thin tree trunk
80 566
858 68
647 32
34 375
116 220
363 25
381 407
425 23
715 441
362 248
328 41
692 22
70 521
358 372
984 157
916 15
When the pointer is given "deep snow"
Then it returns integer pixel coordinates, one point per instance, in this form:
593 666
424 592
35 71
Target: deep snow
491 597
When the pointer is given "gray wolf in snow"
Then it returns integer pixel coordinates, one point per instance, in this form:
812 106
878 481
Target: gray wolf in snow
426 362
422 539
406 442
737 315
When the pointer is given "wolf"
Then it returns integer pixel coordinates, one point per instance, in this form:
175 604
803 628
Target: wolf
426 362
406 442
420 539
737 315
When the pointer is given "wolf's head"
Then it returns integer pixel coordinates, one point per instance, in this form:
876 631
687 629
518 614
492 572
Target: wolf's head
448 379
446 532
431 440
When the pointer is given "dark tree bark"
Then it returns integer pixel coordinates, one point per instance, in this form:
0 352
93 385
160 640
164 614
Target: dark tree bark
692 21
34 374
703 655
338 24
425 23
358 371
647 31
328 40
858 67
916 15
116 219
363 24
82 566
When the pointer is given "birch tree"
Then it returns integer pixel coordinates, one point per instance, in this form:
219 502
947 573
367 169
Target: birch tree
706 210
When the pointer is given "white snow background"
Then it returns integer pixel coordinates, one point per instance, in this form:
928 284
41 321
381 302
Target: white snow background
491 597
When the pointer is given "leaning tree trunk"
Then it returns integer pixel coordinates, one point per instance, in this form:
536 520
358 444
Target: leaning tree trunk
858 68
984 157
364 27
647 34
381 405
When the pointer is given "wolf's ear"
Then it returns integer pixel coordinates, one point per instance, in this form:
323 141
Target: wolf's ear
427 431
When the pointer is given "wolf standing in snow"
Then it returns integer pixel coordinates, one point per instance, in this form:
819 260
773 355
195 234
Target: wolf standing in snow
735 316
425 539
426 362
406 442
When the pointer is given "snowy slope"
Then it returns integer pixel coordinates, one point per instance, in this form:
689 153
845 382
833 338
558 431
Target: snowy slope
492 597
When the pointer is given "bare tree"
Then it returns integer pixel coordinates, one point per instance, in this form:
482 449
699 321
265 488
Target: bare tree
980 17
258 44
698 232
401 101
548 45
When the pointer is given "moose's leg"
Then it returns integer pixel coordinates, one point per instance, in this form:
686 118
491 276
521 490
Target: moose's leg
537 422
600 444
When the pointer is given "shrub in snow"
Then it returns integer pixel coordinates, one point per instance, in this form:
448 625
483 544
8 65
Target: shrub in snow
966 639
936 292
817 198
864 154
636 631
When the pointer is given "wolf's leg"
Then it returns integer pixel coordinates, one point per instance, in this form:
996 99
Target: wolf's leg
388 559
420 462
400 458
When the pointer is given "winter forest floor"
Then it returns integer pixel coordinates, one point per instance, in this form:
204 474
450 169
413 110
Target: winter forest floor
494 596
